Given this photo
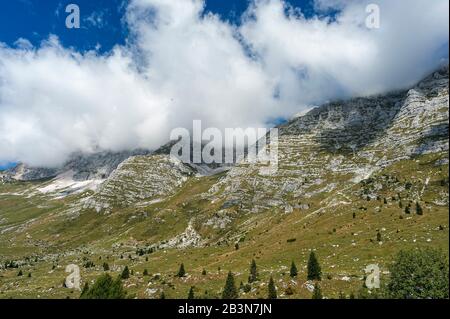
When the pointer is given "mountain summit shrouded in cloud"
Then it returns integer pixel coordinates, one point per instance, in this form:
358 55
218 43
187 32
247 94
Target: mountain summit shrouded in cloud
182 63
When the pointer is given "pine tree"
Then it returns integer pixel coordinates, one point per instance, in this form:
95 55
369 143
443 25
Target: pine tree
378 236
317 293
145 273
253 272
419 210
407 210
105 267
162 296
204 272
314 270
230 291
181 271
104 288
20 273
419 274
191 293
125 273
84 291
29 275
272 293
293 271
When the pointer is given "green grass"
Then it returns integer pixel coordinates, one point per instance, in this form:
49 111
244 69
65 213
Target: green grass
343 244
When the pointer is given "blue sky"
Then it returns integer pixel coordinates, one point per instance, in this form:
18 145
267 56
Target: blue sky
6 166
34 20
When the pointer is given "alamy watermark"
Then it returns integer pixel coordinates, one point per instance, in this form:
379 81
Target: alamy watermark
373 18
233 145
73 280
372 276
73 19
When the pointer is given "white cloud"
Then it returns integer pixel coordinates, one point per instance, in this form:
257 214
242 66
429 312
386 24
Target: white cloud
55 101
182 64
318 59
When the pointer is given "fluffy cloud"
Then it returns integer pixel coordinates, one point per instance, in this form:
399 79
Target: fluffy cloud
183 64
316 59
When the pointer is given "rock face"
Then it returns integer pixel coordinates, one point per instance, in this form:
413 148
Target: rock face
338 144
84 167
24 173
98 165
141 180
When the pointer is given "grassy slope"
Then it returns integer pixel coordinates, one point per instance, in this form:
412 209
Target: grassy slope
345 245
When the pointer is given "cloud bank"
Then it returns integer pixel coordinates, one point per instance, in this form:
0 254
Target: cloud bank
182 63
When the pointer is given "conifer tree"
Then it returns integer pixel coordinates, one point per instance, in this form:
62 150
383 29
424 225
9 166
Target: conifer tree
162 296
125 273
293 271
419 210
105 266
20 273
272 293
314 270
84 291
419 274
379 237
204 272
253 272
181 271
104 288
191 293
230 291
145 273
317 293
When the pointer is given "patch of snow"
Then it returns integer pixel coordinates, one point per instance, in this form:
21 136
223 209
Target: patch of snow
64 185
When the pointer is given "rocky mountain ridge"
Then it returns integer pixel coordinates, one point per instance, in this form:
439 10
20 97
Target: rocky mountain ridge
98 165
346 142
